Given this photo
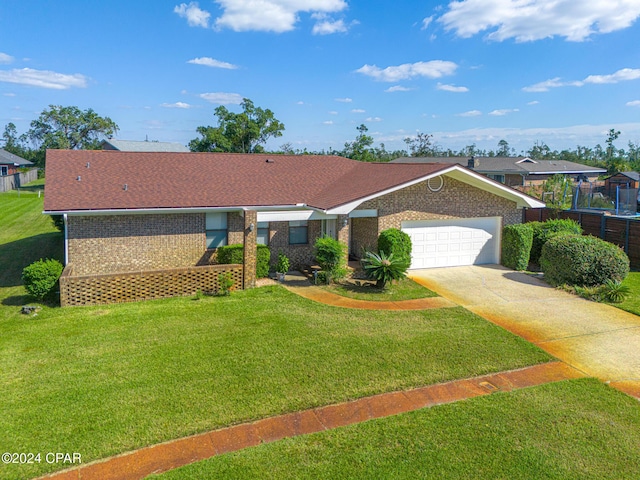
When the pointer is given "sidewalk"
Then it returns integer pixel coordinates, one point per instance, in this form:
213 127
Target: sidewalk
173 454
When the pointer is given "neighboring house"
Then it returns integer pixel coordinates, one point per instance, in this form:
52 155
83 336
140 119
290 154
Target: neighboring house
516 171
15 171
123 213
624 180
11 164
146 146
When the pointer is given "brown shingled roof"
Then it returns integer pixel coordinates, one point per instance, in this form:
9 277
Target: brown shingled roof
95 180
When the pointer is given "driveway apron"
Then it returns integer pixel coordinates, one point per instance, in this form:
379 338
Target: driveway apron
600 340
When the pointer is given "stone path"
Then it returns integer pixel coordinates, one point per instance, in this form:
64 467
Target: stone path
173 454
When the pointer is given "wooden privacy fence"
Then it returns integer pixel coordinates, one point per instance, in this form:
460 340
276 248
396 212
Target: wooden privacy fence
11 182
144 285
624 232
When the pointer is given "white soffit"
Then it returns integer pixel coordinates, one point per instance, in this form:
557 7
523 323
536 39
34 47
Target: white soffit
293 216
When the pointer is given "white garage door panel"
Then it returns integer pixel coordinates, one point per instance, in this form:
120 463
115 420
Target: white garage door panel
448 243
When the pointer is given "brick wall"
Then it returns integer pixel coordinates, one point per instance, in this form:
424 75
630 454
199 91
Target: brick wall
299 255
364 235
121 243
455 200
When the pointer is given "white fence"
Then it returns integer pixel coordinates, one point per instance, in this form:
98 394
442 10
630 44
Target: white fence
12 182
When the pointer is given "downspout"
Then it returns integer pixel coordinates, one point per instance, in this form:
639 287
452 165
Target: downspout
66 240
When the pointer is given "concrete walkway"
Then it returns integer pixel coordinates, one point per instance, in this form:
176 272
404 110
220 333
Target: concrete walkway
166 456
597 339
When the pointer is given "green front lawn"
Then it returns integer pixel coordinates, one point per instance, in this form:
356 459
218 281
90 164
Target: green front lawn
103 380
568 430
632 303
405 289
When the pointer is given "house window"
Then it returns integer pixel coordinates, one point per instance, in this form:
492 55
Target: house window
298 232
216 229
497 178
263 233
4 171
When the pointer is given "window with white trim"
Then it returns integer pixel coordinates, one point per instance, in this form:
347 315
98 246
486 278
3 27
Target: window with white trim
263 233
497 178
298 232
216 229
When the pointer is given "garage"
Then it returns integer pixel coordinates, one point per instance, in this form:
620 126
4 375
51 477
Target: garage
454 242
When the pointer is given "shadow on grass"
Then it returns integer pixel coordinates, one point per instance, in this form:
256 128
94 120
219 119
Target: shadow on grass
17 300
14 256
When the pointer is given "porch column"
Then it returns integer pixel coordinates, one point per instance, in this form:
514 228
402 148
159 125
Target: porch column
342 234
250 259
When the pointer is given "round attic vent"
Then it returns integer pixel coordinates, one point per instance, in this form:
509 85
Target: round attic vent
435 184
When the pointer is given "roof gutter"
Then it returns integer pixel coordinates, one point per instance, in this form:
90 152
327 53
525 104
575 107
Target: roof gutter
152 211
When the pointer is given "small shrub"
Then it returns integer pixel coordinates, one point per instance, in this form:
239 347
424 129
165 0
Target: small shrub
543 231
516 246
234 253
225 283
330 255
397 243
384 268
283 264
58 222
41 277
582 260
615 292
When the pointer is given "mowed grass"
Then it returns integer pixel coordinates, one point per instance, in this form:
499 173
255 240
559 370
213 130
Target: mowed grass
533 433
405 289
103 380
26 235
632 303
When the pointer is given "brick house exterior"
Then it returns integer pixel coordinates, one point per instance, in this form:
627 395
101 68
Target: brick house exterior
122 215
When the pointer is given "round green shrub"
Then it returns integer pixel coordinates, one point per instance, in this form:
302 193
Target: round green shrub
329 253
543 231
516 245
41 277
583 261
397 243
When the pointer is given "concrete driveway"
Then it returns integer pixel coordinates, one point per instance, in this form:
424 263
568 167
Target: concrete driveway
599 340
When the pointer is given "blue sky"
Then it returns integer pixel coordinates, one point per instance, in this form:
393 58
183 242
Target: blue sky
561 72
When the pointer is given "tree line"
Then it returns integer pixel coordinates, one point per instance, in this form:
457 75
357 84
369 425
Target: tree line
248 131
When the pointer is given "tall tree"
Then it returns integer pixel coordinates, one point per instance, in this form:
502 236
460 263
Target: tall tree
361 148
503 149
70 128
243 132
420 145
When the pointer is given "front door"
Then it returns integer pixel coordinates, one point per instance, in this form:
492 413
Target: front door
329 228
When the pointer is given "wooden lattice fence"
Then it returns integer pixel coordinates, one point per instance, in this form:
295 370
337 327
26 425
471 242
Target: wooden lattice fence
144 285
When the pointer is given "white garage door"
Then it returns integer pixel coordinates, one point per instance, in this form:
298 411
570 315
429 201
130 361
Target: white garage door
454 242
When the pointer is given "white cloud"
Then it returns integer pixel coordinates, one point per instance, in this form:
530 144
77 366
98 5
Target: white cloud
194 15
534 102
503 112
426 22
43 78
177 105
332 112
344 100
4 58
300 102
326 25
373 119
398 88
529 20
470 113
328 122
212 62
9 94
273 15
358 110
222 98
452 88
634 103
432 69
621 75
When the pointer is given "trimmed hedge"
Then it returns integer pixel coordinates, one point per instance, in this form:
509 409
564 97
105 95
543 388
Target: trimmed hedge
543 231
397 243
516 245
583 261
41 277
235 254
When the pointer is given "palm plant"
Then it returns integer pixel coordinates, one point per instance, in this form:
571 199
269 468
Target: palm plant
384 268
